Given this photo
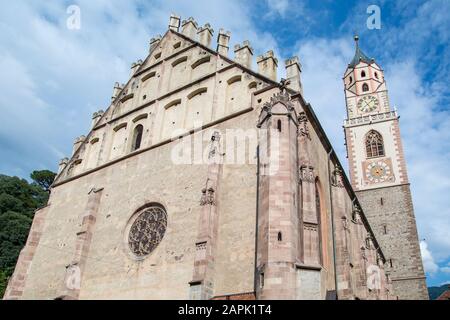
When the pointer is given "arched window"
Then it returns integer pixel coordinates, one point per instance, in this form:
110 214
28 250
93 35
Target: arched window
363 74
200 62
137 137
350 80
365 87
376 75
252 85
280 236
374 144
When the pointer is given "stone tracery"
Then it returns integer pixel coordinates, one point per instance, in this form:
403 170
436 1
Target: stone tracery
147 230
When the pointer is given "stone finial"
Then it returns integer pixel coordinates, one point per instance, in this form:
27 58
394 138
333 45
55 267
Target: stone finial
135 66
244 54
77 143
62 164
189 28
267 65
116 90
205 34
293 71
96 117
154 42
223 40
306 173
174 22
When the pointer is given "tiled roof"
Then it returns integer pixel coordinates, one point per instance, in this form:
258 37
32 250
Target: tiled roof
359 56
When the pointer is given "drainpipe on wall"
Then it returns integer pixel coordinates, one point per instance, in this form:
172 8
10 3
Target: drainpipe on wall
332 225
256 229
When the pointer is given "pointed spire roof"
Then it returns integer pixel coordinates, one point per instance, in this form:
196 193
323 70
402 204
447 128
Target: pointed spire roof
359 55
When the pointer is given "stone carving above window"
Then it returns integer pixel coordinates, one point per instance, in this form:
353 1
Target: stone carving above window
306 173
356 214
214 148
147 230
280 97
369 243
208 197
303 129
337 178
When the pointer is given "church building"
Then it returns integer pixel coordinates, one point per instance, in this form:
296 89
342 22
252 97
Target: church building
207 178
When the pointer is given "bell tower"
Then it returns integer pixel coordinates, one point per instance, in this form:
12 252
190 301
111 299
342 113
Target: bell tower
378 173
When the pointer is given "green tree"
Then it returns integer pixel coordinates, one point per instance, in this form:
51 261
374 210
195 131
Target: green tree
44 178
18 202
3 282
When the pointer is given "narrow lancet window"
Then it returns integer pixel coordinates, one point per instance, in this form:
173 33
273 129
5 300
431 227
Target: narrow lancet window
137 137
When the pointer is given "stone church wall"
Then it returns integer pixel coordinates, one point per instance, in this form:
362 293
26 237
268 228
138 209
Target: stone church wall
307 234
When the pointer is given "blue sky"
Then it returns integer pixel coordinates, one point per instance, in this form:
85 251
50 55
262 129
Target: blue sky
54 78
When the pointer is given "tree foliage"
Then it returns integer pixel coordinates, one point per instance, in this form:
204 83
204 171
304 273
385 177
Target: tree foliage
18 202
43 178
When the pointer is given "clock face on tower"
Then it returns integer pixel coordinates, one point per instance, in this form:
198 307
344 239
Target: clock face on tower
368 104
378 171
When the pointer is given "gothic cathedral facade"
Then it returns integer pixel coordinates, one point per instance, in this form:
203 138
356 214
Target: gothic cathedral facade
263 211
378 173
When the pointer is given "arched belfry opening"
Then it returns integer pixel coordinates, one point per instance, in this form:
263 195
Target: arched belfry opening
137 137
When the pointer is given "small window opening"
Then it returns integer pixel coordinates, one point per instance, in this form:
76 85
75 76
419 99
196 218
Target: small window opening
365 87
363 74
279 125
137 137
280 236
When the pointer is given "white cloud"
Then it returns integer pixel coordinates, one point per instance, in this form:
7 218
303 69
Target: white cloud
324 63
426 137
428 262
278 6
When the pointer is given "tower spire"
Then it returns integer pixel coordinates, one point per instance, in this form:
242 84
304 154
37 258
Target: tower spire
359 55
